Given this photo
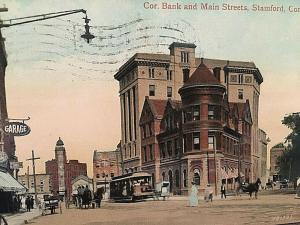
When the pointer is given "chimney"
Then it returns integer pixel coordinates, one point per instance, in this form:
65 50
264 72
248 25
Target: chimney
201 60
217 72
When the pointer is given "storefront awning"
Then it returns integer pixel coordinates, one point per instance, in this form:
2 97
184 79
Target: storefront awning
9 183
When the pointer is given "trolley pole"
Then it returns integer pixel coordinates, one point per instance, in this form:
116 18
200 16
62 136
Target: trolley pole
34 177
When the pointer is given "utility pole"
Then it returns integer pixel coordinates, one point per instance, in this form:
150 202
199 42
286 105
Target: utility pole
34 177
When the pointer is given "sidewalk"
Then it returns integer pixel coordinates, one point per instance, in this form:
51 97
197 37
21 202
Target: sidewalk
19 218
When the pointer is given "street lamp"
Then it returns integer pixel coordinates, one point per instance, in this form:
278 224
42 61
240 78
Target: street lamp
29 19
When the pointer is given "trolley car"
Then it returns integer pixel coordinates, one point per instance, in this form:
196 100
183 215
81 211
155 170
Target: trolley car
131 187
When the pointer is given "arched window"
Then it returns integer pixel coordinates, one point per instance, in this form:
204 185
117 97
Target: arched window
177 178
196 178
184 179
171 180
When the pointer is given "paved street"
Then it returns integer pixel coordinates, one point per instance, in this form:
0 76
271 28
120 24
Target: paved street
268 209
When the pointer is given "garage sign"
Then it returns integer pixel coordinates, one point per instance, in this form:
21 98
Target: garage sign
16 128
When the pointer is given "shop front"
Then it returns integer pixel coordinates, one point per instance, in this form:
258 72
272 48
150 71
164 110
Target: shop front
10 188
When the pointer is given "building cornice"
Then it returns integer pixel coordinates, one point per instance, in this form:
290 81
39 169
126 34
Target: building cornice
247 70
134 62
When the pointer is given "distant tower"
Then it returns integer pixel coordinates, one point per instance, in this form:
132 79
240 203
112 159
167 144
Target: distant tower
60 156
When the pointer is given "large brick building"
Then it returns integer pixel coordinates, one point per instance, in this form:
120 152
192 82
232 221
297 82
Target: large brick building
62 172
106 165
202 138
7 142
160 76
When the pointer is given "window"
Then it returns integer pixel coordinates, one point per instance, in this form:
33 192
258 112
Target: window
196 112
151 152
162 150
169 92
169 74
211 142
151 72
169 148
98 175
144 131
211 112
177 178
184 143
196 140
176 147
112 174
186 74
151 90
103 175
240 93
150 129
196 177
145 154
184 179
241 78
184 57
163 175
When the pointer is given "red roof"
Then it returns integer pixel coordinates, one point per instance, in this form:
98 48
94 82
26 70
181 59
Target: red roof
202 75
158 106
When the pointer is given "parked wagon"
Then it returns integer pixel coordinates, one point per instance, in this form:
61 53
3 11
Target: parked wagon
50 203
162 189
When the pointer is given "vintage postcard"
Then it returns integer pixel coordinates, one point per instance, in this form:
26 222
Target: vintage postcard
149 112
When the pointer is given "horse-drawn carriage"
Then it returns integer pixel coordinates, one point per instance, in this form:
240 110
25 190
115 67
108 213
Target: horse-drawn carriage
162 189
50 203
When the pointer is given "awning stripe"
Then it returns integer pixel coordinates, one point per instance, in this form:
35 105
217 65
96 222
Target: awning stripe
9 183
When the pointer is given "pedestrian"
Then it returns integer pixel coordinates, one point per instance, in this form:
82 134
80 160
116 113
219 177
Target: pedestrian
223 190
31 202
99 196
194 195
208 193
27 203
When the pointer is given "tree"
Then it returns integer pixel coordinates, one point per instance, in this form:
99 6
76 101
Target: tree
289 162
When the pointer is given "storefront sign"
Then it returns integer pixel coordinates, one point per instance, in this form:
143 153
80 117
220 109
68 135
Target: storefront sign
16 165
16 128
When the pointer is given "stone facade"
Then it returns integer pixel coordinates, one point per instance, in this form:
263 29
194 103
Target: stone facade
160 76
62 172
42 183
202 138
275 152
263 153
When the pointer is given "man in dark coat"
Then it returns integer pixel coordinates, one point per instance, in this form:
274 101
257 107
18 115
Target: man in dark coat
28 203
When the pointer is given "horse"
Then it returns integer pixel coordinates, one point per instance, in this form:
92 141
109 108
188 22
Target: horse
86 198
252 187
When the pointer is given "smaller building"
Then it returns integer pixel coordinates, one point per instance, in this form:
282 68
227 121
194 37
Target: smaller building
263 156
105 166
62 171
82 180
275 153
43 185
